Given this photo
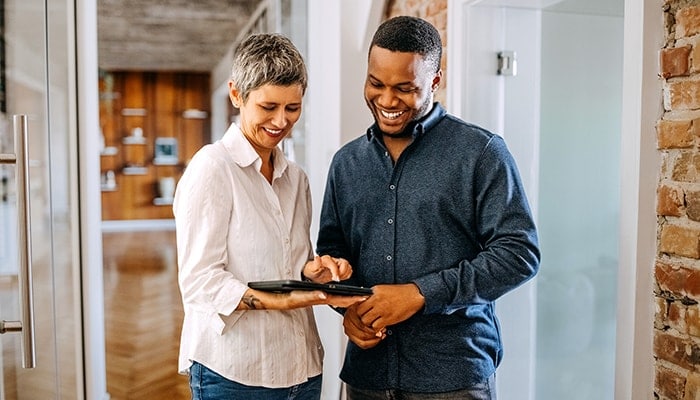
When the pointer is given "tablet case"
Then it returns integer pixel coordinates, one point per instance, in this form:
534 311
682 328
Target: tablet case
287 285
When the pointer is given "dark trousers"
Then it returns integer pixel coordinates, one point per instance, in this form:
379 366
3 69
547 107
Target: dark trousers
482 391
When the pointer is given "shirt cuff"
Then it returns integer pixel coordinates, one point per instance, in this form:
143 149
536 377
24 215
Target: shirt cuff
434 293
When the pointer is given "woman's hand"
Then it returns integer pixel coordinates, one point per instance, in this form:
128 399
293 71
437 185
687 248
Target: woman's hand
260 300
323 269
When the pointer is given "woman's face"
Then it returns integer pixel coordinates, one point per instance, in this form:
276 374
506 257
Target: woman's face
269 114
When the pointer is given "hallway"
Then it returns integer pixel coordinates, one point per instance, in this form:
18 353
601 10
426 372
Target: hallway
143 316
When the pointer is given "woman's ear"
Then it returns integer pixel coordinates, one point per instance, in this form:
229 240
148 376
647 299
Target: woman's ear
234 95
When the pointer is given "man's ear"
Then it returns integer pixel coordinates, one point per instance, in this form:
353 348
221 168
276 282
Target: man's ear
436 80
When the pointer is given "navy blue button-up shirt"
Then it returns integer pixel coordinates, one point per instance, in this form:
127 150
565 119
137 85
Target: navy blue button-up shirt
450 216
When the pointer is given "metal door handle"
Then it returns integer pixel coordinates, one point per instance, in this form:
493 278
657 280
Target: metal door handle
26 325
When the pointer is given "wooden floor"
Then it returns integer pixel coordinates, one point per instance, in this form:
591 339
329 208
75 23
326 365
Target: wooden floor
143 316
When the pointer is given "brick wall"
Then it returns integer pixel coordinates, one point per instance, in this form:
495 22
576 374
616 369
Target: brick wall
677 270
434 12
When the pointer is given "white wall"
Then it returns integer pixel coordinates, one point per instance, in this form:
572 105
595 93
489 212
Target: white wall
634 362
335 113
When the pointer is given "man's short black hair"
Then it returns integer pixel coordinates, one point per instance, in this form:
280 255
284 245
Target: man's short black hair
410 35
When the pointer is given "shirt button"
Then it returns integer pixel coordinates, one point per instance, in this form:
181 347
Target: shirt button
392 187
389 332
388 258
390 221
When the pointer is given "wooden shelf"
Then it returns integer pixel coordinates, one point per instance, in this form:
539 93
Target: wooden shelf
109 151
163 201
139 112
134 170
133 140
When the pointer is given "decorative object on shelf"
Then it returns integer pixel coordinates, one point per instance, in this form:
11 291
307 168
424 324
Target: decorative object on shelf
165 151
109 181
102 141
166 191
136 137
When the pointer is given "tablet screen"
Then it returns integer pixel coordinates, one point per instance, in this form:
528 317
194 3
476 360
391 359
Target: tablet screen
287 285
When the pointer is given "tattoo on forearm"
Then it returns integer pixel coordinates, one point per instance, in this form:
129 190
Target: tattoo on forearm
253 302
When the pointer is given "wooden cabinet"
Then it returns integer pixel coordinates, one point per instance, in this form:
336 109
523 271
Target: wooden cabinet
142 115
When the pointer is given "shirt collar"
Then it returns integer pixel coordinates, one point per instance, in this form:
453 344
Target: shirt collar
243 153
419 127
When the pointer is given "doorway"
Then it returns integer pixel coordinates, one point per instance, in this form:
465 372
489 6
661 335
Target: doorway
42 353
560 113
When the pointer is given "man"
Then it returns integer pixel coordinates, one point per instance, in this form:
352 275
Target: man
431 212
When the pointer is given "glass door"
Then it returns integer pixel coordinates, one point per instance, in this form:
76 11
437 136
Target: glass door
36 116
560 114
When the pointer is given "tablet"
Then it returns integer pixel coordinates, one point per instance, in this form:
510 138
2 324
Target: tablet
287 285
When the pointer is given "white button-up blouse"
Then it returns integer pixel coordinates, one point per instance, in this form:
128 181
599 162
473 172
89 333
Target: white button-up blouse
234 227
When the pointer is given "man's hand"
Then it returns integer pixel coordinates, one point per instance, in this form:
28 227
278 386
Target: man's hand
363 336
366 322
389 305
323 269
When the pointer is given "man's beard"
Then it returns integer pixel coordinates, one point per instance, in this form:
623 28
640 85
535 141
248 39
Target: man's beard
410 127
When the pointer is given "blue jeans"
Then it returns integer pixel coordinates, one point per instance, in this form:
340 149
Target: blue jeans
206 384
482 391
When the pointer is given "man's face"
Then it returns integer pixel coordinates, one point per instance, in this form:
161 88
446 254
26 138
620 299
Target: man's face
399 88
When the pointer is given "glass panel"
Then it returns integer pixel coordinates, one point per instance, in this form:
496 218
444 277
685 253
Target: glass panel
579 202
293 24
559 337
36 84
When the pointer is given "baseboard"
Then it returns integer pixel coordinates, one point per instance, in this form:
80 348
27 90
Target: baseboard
130 225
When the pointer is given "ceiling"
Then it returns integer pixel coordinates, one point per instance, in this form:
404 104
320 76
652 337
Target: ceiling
186 35
169 35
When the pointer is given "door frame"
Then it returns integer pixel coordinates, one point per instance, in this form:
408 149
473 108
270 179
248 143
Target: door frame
90 202
643 36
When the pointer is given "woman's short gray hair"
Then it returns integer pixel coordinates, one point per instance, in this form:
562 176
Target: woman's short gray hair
267 58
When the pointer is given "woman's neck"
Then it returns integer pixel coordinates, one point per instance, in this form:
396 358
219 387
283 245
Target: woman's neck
268 166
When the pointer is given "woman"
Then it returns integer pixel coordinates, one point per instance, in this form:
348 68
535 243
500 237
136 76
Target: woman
243 213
